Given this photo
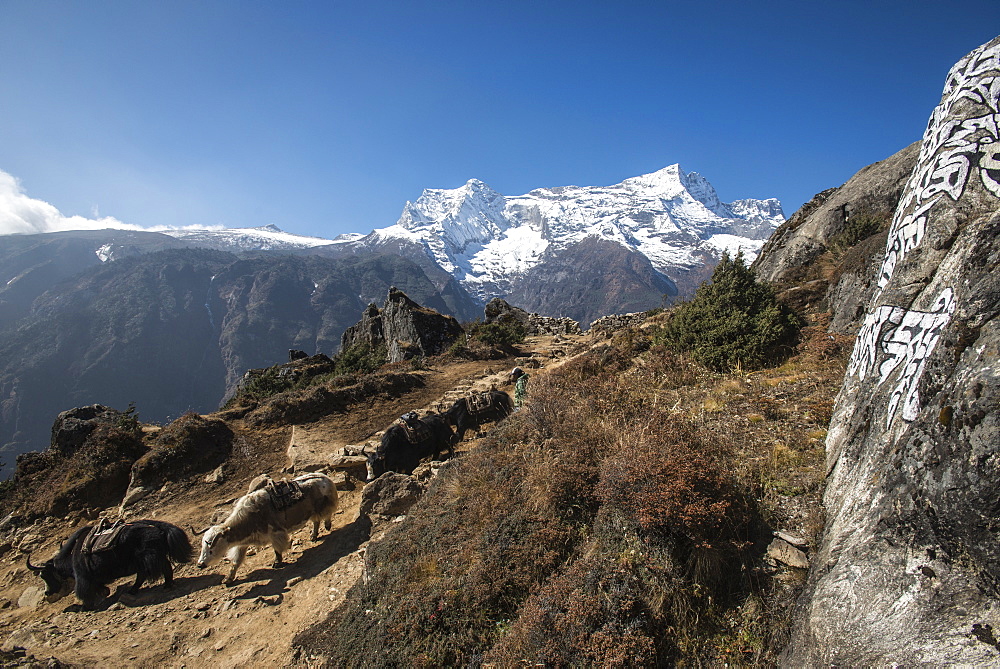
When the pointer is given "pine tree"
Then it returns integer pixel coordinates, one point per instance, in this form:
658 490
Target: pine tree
732 321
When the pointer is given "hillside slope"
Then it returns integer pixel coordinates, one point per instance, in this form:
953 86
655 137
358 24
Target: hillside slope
253 622
176 330
273 617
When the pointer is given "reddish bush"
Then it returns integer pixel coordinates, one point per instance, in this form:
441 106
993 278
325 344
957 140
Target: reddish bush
591 615
670 483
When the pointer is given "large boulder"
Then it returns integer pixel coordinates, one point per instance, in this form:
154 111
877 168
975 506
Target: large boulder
404 327
71 428
192 444
498 310
907 571
391 494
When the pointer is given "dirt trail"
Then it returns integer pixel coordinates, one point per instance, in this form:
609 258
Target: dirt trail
201 622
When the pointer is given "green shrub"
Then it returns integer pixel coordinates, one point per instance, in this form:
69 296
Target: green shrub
859 227
129 420
360 359
261 386
734 321
505 333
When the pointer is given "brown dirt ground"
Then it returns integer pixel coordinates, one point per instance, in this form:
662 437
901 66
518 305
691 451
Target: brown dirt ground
201 622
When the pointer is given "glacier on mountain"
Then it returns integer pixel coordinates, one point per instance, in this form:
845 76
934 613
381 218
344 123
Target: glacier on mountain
263 238
674 218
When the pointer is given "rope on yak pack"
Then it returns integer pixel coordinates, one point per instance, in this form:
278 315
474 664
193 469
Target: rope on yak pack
283 493
102 536
415 429
476 402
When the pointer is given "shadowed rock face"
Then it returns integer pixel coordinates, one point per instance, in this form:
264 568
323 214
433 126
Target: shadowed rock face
909 568
404 327
823 257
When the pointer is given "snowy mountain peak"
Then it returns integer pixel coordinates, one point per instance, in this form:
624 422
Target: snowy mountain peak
440 204
672 182
667 181
449 221
674 218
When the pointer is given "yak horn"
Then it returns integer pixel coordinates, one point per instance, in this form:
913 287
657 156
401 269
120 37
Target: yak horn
197 533
31 566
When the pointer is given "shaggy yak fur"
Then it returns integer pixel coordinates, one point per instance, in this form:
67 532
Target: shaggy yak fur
144 548
498 407
397 454
260 518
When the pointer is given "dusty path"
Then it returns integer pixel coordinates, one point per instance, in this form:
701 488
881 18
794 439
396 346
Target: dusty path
202 622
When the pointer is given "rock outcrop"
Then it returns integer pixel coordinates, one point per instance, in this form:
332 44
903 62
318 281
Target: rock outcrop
908 571
822 258
404 327
71 428
498 309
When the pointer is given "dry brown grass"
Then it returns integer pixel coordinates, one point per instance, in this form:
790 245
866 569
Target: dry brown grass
619 518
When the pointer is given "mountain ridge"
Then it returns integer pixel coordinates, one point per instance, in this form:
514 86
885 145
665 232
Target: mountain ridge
674 218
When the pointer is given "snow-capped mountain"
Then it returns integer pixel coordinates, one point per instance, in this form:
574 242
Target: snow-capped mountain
499 246
264 238
673 218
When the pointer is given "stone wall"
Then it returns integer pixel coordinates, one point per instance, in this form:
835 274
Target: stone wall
498 309
550 325
608 325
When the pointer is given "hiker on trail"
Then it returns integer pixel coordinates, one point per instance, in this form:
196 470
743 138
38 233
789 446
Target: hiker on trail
520 381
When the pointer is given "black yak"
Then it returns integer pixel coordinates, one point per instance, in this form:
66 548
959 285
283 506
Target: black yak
408 440
266 515
478 408
143 547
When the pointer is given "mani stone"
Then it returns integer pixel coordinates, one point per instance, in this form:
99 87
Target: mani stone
913 449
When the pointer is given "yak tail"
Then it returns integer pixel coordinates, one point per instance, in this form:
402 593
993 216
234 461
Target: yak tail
178 546
506 402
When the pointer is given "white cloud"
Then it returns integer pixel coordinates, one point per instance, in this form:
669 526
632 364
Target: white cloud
20 214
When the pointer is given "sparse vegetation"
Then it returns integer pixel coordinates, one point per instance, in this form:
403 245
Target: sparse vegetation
93 476
360 359
190 444
343 369
620 518
489 341
613 521
859 227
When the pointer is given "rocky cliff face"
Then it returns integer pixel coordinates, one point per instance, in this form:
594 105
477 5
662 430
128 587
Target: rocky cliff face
404 327
823 257
907 571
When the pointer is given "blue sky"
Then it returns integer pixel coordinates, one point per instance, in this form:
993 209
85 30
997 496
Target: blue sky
325 117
